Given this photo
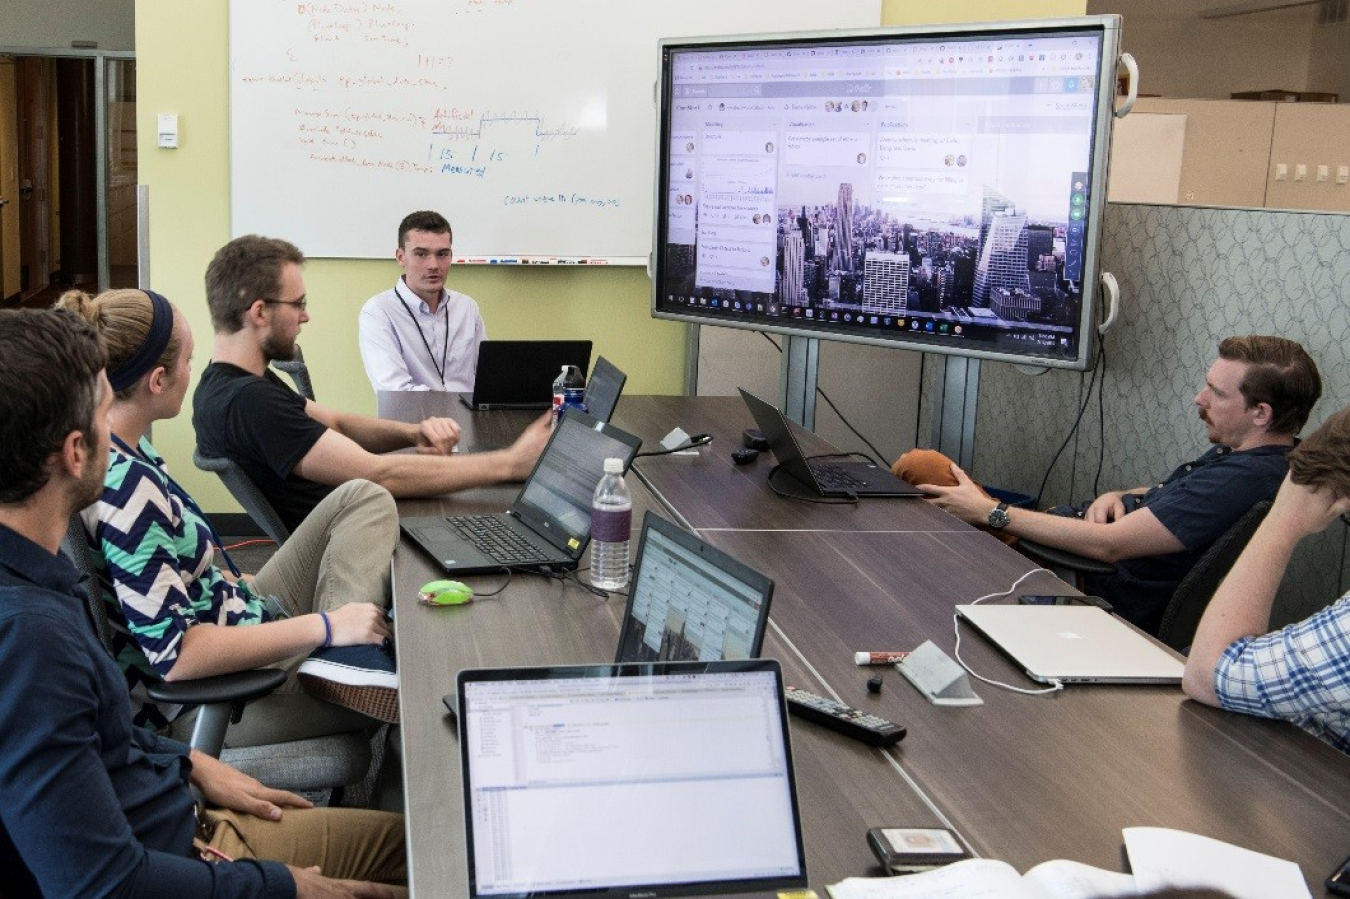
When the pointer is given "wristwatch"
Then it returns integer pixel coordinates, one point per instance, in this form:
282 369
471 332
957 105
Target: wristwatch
998 517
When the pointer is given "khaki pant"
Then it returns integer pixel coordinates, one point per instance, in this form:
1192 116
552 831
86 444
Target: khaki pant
349 844
339 554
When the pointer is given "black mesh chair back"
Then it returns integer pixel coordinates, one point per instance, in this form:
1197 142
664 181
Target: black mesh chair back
298 371
243 489
1192 596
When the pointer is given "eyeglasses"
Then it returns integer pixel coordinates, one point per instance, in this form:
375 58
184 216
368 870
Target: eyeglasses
298 304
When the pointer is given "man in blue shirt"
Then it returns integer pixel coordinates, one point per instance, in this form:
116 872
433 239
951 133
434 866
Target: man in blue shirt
1300 673
89 804
1256 398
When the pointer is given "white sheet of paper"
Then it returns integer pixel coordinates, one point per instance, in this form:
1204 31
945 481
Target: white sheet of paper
1161 857
974 878
1075 880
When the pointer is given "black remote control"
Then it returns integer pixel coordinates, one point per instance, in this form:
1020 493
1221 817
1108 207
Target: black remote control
867 728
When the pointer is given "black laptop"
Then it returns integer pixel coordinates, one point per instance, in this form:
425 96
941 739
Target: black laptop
833 479
603 389
519 374
637 781
549 524
690 601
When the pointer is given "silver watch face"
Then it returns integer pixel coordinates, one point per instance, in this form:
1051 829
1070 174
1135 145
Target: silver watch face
998 517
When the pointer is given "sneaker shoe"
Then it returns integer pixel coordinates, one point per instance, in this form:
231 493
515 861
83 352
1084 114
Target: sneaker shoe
364 678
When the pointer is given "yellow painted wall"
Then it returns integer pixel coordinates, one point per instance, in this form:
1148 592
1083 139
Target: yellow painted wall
182 67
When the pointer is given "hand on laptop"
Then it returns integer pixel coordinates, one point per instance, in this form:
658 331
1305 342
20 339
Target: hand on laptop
525 451
357 623
437 436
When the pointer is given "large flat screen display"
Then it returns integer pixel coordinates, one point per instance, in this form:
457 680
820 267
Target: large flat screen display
937 189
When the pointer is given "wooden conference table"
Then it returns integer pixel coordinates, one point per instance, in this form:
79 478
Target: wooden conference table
1021 778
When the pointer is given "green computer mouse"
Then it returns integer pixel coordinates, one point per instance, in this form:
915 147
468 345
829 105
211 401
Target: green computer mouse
445 593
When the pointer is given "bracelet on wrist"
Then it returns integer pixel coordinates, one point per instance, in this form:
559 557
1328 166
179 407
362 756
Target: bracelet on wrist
327 630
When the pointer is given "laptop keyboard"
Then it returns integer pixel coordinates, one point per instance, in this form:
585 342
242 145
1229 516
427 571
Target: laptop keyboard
835 477
495 539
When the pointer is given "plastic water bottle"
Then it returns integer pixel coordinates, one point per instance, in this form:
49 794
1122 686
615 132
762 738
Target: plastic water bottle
611 527
568 387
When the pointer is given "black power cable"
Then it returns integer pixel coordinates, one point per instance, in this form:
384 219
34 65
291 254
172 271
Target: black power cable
876 452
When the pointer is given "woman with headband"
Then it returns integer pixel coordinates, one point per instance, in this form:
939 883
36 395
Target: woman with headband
176 615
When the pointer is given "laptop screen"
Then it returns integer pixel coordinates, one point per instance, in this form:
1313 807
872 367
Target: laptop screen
603 389
690 601
628 780
559 490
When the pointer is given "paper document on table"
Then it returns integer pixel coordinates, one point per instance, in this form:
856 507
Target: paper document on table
982 878
1161 857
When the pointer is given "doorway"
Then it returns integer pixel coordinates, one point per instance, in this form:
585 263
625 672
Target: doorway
68 196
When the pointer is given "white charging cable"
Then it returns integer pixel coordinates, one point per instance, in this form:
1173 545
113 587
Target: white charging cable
1055 684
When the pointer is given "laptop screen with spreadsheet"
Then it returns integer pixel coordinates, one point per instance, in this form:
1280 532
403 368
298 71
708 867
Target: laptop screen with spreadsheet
629 780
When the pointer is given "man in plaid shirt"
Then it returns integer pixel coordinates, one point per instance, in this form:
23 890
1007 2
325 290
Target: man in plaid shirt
1302 672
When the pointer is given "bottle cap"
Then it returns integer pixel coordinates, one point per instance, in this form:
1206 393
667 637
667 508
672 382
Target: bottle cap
613 466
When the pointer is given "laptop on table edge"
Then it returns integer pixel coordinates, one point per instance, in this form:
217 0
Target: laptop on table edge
519 374
861 478
575 777
1074 644
552 510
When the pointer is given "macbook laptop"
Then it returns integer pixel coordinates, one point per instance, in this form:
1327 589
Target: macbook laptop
519 374
603 389
834 479
629 781
549 524
690 601
1074 644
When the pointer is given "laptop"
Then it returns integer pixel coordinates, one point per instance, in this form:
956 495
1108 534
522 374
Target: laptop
833 479
519 374
603 389
690 601
1074 644
549 524
629 781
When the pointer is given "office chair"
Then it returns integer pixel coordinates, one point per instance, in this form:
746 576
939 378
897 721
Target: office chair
221 697
1068 566
298 371
1197 588
316 766
1187 605
243 489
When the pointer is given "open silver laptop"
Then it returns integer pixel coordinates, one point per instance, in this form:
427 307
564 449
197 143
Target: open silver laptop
1074 644
629 781
691 601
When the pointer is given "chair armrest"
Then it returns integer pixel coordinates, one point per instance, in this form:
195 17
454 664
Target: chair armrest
240 686
1062 558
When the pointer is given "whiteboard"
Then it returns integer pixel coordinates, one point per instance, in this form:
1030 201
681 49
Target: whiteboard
530 124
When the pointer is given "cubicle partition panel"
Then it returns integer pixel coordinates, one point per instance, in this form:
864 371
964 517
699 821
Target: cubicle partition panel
1188 277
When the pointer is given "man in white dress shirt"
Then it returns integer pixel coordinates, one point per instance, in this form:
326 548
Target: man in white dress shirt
418 335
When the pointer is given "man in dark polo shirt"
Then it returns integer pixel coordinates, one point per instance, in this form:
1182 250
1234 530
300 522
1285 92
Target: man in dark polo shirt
294 449
91 805
1257 395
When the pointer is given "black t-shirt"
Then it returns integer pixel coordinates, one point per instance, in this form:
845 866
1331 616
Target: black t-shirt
261 424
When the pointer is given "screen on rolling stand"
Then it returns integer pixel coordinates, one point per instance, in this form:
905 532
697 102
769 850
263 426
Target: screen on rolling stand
939 191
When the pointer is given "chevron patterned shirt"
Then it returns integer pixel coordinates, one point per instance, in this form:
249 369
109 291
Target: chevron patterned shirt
1300 673
157 572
